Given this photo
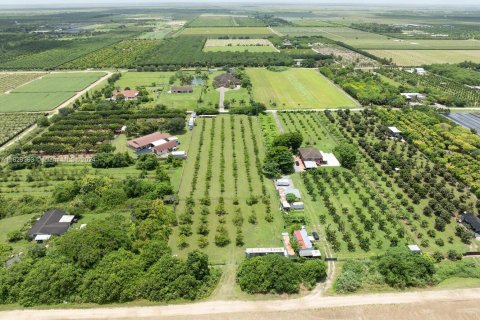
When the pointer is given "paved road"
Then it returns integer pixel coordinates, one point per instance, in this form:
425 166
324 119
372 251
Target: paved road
54 111
226 308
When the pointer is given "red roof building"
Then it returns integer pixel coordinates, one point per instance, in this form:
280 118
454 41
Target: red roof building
146 141
299 237
165 148
127 94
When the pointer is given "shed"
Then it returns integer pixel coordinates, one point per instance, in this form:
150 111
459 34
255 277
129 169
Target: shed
414 248
255 252
309 253
394 130
310 154
181 89
293 191
472 221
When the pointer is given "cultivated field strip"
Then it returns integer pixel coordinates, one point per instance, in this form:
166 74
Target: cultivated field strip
224 208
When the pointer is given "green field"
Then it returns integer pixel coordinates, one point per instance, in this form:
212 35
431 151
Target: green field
240 49
296 89
225 21
261 234
368 40
313 23
226 31
421 57
48 92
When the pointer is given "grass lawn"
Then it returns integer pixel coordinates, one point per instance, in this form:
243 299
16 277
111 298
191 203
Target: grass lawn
262 234
225 31
158 84
12 224
240 49
297 89
10 80
420 57
47 92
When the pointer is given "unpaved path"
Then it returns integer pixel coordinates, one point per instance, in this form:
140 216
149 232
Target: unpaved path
222 90
226 309
277 121
54 111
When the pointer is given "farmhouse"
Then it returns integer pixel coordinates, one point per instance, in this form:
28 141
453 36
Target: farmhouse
311 157
53 222
164 147
256 252
303 239
181 89
472 221
226 80
147 141
127 94
159 143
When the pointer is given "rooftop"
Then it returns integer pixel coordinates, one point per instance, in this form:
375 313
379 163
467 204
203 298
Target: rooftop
53 222
310 153
146 140
394 130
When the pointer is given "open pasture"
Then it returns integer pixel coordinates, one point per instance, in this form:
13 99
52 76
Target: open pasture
48 92
10 81
223 167
226 31
297 89
421 57
368 40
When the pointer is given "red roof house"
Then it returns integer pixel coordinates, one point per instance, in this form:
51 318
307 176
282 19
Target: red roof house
165 147
146 141
127 94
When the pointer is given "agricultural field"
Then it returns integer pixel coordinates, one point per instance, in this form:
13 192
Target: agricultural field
313 23
226 31
57 56
437 88
158 85
296 89
345 56
423 57
13 124
225 21
9 81
239 45
225 202
46 93
123 54
337 199
367 40
161 30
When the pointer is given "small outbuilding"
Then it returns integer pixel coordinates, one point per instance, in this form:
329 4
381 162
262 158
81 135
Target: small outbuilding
298 205
414 248
472 221
310 154
282 183
179 154
257 252
181 89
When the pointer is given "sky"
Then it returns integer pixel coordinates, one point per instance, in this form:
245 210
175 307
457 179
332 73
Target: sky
390 2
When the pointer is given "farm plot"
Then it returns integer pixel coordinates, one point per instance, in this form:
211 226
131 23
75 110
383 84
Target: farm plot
345 56
46 93
239 45
225 203
225 21
296 89
368 40
421 57
123 54
226 31
345 205
13 124
9 81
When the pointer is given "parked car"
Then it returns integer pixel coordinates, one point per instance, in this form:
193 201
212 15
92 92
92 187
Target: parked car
315 235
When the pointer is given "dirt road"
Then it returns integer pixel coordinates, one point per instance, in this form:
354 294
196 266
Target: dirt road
431 300
54 111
